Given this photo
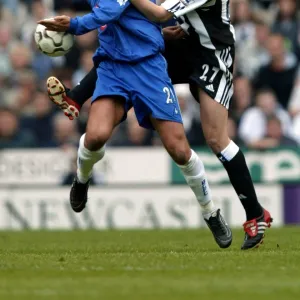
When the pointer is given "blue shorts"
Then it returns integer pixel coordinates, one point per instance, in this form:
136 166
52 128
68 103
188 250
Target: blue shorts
145 86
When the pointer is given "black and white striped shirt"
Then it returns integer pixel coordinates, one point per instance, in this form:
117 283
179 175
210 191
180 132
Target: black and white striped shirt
206 20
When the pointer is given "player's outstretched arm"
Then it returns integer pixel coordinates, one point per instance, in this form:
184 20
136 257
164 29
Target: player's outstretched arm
105 12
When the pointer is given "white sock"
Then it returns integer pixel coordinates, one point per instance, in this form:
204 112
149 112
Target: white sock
86 160
230 151
194 174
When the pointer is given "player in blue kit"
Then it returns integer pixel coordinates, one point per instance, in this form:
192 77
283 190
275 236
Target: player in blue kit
133 73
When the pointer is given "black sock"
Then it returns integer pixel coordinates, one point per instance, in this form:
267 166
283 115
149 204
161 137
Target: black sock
241 181
84 91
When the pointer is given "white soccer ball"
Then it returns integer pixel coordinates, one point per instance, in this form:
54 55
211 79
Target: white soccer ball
53 43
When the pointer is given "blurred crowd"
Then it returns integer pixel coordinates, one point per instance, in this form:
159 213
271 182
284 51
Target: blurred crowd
265 111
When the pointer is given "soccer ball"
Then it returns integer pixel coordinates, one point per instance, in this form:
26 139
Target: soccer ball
53 43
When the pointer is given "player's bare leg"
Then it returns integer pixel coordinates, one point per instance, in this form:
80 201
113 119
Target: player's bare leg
214 122
173 138
105 114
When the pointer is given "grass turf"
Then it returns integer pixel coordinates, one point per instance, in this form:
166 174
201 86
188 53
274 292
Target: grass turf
144 265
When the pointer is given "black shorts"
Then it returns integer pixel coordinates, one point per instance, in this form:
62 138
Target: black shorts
208 69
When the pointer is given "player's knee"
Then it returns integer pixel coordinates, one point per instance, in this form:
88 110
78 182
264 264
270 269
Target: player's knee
214 143
217 143
179 150
95 140
182 156
216 138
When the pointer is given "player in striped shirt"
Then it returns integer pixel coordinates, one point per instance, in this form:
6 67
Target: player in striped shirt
210 50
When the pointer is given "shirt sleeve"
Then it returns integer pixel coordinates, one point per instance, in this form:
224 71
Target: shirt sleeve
106 11
181 7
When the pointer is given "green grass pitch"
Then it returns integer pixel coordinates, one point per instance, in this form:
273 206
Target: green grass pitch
142 265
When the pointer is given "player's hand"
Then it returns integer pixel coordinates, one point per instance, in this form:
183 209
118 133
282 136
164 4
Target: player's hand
173 33
60 23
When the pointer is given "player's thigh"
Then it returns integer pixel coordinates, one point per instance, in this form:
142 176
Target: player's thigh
173 137
156 105
213 75
105 114
107 109
108 105
214 118
153 94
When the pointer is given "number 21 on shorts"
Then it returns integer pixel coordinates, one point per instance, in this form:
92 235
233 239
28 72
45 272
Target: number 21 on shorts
170 95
